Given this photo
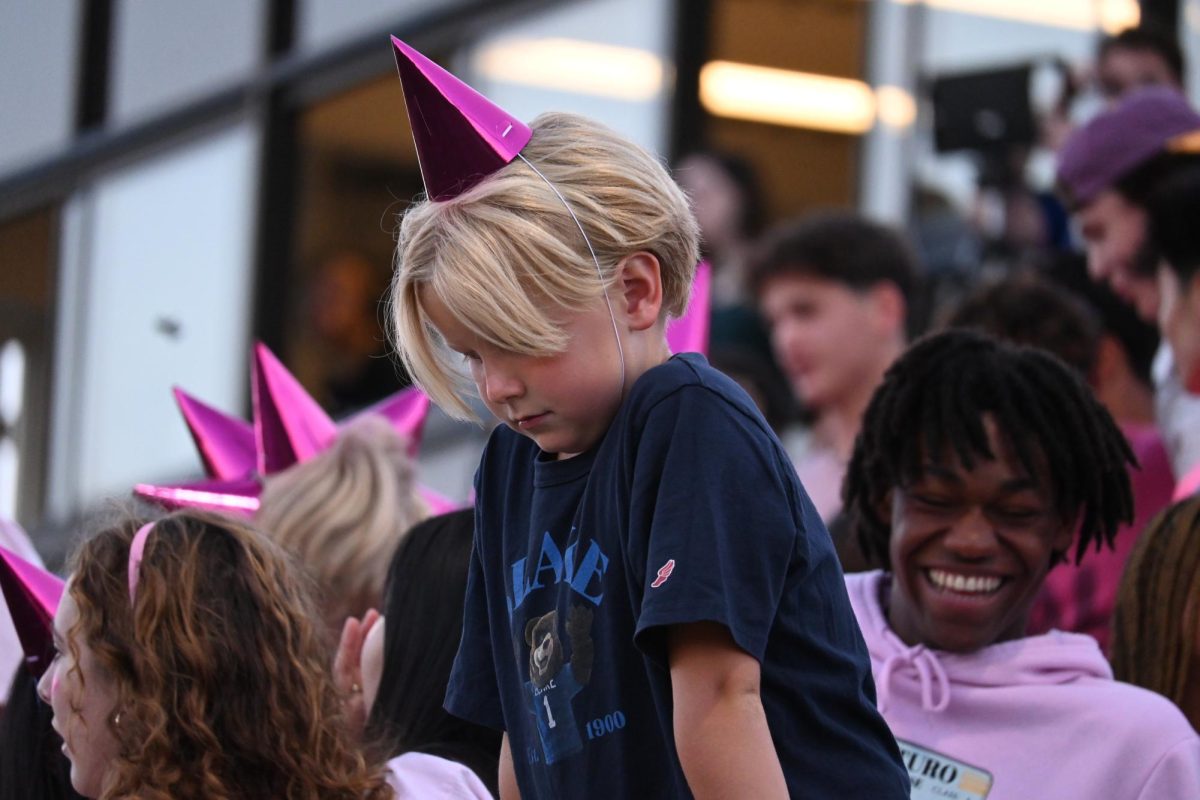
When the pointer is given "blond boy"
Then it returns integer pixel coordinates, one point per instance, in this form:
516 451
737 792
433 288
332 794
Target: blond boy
654 609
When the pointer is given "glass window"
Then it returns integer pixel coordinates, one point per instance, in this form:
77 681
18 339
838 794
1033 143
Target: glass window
162 290
607 59
169 52
322 23
38 62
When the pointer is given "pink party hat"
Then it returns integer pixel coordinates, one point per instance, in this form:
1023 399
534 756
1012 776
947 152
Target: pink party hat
461 136
289 425
689 333
226 444
238 496
406 410
32 595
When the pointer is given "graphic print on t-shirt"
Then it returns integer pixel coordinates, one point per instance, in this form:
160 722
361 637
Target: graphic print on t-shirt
939 776
553 683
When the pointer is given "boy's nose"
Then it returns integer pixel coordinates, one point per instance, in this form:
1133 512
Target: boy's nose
972 536
501 386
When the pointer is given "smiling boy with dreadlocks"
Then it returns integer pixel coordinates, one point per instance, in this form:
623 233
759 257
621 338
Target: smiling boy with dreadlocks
980 466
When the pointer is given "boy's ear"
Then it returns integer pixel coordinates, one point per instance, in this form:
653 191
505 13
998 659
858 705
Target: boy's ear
890 306
639 281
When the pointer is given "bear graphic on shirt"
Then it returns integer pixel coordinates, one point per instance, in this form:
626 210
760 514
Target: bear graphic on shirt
554 682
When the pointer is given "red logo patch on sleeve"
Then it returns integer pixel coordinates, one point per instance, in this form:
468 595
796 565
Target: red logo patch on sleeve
664 572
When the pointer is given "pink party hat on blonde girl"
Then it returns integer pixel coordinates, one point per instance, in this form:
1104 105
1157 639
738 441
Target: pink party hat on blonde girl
289 427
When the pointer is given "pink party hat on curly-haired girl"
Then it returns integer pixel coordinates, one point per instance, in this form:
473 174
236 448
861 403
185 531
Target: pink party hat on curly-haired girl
32 595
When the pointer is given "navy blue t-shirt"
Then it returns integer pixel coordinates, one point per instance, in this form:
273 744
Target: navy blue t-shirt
688 510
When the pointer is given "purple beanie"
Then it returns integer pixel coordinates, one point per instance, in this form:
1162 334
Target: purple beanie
1121 139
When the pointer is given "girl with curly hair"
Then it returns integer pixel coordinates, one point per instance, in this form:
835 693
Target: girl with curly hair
189 665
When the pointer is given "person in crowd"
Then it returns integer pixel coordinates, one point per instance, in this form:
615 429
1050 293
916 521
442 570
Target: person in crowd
189 665
1028 309
1107 170
1121 373
1173 209
980 466
835 290
342 513
344 310
727 200
1155 627
653 607
32 763
402 659
1137 57
728 203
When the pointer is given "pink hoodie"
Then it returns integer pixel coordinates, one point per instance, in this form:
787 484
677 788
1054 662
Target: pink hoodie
1039 717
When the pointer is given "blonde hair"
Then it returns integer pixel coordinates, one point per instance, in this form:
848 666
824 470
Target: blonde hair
342 514
505 254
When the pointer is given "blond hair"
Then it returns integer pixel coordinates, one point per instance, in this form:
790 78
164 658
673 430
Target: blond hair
505 254
343 513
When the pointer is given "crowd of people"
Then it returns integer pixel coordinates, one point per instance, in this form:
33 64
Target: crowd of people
873 549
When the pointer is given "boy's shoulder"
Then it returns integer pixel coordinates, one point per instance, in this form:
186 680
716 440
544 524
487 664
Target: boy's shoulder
690 374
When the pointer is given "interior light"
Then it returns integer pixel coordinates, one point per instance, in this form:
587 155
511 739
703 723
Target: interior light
897 108
1085 15
784 97
573 65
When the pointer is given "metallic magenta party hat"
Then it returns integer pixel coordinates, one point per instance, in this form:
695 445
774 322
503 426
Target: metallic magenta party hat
289 425
225 443
461 136
406 410
238 496
689 333
32 595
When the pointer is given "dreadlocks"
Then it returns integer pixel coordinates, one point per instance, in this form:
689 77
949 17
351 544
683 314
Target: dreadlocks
935 398
1154 625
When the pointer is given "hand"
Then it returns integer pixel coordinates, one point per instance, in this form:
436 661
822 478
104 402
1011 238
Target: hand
347 669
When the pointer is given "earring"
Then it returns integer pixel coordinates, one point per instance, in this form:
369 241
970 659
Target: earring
116 720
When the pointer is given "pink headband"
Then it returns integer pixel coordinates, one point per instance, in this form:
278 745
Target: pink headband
135 557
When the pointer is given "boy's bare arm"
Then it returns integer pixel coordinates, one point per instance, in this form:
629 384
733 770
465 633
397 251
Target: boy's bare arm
721 731
508 776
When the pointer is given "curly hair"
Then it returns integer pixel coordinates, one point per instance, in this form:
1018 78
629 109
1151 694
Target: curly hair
343 513
218 669
934 399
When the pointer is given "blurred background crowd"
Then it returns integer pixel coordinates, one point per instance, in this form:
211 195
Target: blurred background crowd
184 179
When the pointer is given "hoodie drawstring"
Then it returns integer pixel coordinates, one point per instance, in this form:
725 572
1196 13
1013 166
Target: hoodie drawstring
929 671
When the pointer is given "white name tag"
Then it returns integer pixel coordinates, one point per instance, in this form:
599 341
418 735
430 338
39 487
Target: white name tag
938 777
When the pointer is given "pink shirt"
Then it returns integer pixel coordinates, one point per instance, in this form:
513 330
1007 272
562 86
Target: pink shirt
420 776
1039 717
1080 598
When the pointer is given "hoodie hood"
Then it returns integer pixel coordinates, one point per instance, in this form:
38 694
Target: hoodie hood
1052 658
